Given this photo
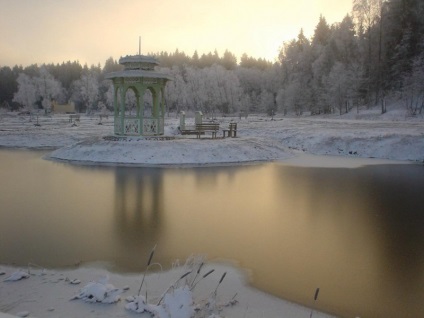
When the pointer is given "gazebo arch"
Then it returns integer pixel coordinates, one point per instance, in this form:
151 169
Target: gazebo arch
139 75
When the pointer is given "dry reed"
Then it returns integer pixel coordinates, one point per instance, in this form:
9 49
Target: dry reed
147 268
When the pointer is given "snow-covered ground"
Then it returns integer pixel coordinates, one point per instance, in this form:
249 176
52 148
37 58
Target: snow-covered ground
58 293
258 139
295 140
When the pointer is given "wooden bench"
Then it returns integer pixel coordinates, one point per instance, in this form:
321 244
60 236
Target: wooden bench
74 117
231 131
189 132
204 127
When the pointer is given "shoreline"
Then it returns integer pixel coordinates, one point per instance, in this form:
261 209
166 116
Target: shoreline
49 292
305 160
297 160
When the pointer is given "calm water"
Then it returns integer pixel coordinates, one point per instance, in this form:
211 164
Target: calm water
358 234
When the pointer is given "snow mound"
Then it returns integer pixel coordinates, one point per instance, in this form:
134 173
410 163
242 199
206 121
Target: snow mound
176 304
18 275
139 305
99 292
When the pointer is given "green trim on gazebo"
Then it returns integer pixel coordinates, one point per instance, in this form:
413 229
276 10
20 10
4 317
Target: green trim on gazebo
139 75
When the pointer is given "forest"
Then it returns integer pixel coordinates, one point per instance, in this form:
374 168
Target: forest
374 56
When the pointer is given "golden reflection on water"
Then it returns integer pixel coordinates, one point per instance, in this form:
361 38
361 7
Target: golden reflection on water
347 231
278 227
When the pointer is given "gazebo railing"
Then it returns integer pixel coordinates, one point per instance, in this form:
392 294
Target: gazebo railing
153 126
131 126
135 126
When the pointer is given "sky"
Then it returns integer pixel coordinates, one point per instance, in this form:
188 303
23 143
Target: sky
91 31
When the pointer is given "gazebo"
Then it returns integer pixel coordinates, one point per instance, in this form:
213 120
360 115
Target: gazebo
139 75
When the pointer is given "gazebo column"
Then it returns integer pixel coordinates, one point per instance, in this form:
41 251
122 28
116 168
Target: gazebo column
115 100
122 118
141 105
137 112
137 99
157 117
155 104
162 101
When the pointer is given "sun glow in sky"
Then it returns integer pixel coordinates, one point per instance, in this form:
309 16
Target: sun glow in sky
53 31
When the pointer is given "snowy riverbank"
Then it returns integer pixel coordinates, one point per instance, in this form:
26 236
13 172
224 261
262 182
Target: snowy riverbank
50 293
259 139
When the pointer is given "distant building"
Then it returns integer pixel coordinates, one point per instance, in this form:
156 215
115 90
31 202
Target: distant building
63 109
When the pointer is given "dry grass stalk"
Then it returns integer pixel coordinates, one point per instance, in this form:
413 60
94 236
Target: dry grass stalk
204 276
315 299
147 268
197 273
173 286
220 281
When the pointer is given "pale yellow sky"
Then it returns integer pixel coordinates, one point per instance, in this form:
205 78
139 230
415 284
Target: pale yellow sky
90 31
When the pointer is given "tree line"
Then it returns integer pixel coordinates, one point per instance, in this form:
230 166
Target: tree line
374 55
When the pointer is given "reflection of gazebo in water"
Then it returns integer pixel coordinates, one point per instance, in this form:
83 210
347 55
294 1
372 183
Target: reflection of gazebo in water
139 76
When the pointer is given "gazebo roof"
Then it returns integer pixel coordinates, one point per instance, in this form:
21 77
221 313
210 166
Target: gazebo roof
138 66
138 59
138 73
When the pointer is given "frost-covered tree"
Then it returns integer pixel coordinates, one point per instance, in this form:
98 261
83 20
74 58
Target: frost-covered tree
86 91
41 89
210 89
281 101
109 94
293 97
322 33
229 60
367 16
27 92
267 102
296 59
345 42
233 91
111 65
175 92
413 87
195 89
48 88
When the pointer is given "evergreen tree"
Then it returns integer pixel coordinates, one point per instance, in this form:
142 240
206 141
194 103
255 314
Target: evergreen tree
8 85
322 32
229 60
